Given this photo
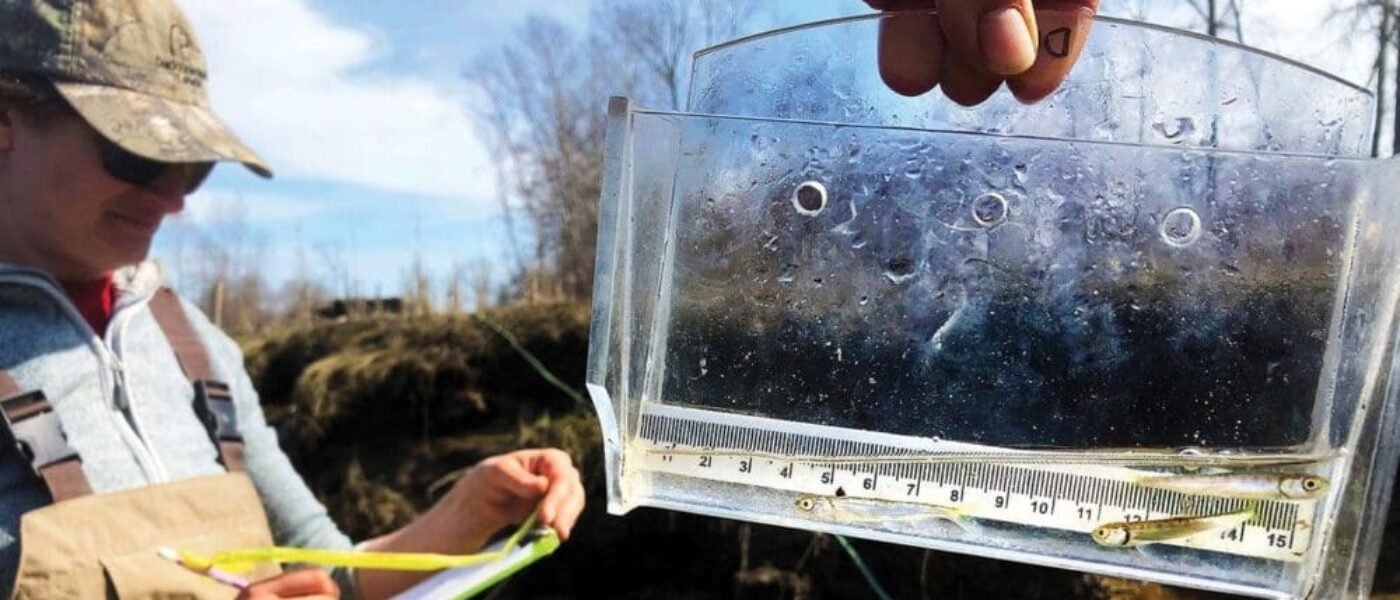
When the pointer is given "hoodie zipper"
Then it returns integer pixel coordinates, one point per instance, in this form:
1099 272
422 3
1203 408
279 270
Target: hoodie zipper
115 338
110 371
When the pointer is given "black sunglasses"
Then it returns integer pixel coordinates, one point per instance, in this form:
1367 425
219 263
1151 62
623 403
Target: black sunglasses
138 170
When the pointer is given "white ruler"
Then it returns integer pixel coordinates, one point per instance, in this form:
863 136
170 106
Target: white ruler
751 450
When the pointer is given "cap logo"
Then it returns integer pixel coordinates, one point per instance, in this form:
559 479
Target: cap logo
182 61
180 43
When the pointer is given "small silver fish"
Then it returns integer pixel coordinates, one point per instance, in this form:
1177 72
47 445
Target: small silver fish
1125 534
1244 486
1122 458
847 509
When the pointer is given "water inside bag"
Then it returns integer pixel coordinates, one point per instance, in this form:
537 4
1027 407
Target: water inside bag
1180 263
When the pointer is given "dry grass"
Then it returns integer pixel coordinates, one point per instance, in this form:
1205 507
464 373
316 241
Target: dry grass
374 412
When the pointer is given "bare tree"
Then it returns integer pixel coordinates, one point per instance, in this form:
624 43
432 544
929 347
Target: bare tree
481 284
660 37
1382 17
543 121
452 287
223 266
544 117
333 260
1217 17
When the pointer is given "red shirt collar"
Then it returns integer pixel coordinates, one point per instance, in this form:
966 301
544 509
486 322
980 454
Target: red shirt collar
94 300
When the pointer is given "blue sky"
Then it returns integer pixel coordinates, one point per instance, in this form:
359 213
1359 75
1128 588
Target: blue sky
361 108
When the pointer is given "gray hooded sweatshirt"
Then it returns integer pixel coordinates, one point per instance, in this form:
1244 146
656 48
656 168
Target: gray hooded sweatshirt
127 408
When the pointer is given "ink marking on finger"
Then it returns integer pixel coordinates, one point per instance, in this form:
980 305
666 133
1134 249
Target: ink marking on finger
1056 42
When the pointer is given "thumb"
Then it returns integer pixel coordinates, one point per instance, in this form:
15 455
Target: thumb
304 583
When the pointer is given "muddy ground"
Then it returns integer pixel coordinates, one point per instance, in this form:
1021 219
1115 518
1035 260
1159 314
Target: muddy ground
378 413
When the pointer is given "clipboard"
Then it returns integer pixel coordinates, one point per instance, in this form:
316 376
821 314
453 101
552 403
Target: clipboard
467 582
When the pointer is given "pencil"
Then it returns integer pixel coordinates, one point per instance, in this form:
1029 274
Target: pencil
234 581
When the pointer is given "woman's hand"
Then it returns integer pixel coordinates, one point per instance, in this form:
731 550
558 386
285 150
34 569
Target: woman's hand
504 489
971 46
304 584
490 496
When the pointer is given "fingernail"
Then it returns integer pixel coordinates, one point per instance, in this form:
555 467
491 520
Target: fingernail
1062 36
1006 42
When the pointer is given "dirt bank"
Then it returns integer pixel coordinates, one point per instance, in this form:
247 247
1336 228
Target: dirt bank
374 412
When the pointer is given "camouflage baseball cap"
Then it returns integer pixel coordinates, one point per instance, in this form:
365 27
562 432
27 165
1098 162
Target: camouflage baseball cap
131 68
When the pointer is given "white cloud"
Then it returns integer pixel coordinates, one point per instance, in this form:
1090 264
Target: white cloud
211 207
285 78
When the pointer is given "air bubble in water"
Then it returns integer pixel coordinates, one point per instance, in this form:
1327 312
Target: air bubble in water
914 168
809 198
788 274
1181 227
989 209
1190 452
899 270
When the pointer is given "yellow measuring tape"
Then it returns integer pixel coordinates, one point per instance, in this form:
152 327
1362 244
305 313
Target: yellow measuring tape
242 560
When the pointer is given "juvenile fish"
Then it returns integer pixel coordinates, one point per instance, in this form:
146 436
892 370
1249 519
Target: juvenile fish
1244 486
846 509
1135 533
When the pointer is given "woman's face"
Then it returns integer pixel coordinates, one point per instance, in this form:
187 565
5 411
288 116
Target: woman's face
61 212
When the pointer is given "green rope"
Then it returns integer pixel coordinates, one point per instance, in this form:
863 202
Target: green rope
530 358
864 570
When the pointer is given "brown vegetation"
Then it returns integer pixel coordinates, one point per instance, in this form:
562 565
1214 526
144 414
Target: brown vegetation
375 412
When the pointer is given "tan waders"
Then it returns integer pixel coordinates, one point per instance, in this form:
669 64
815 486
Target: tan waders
104 546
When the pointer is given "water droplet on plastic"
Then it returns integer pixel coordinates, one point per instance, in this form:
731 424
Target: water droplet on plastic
1175 128
1105 129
